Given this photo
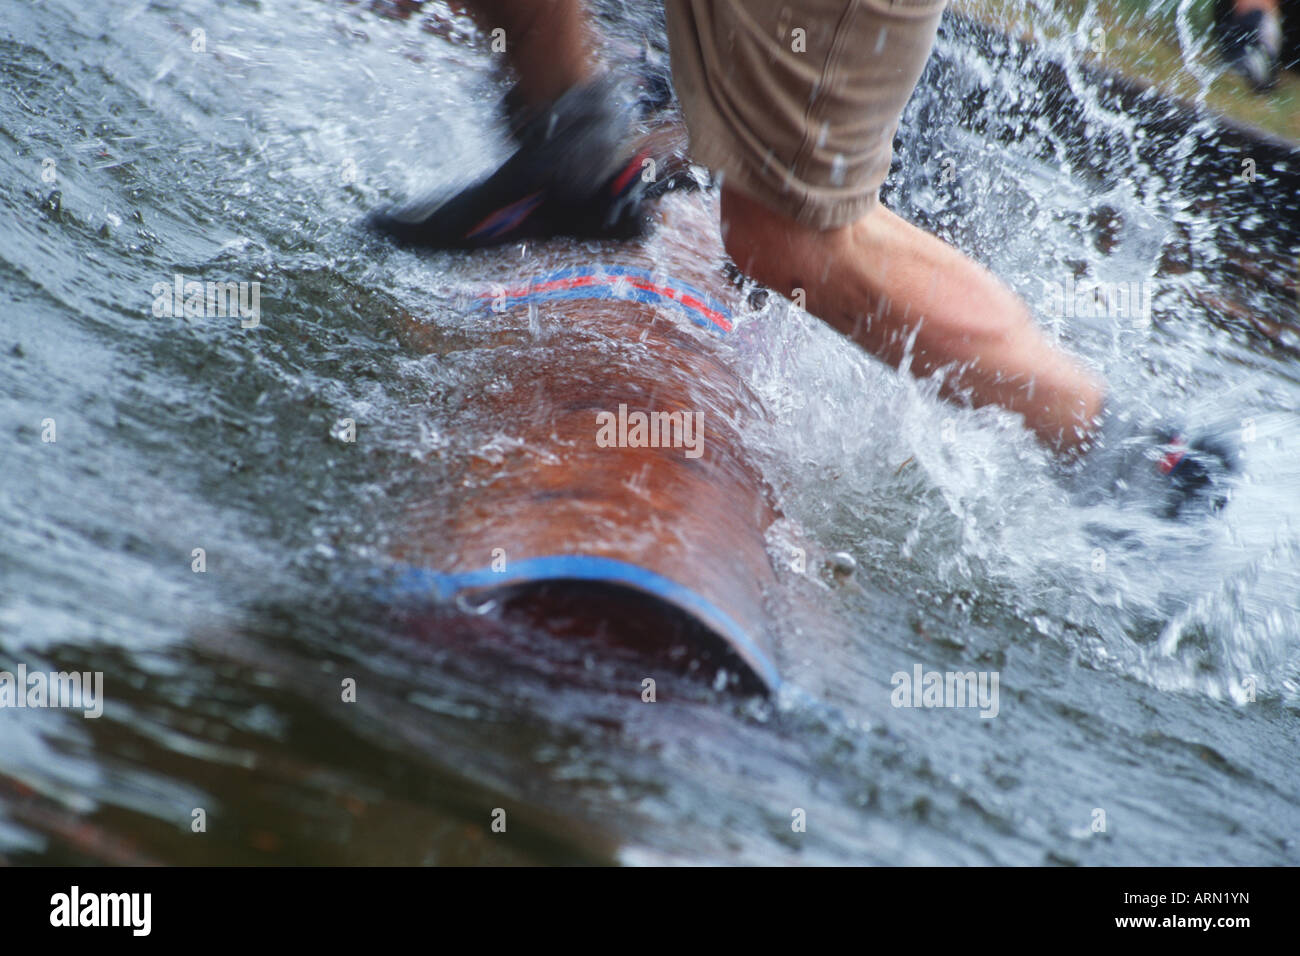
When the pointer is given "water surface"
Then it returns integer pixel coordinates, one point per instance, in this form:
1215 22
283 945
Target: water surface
1126 685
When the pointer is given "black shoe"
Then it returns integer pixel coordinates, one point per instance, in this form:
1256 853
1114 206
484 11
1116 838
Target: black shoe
1174 475
1198 471
573 175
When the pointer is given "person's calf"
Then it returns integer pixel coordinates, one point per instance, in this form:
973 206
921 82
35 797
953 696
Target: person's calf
904 295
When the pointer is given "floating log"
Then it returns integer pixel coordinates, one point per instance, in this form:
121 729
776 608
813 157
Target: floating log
625 471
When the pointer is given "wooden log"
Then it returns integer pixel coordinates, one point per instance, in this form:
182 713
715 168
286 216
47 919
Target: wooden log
626 471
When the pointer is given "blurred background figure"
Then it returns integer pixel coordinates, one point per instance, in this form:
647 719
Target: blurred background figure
1252 39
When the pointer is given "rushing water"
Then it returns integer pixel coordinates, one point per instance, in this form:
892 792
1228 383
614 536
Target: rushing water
1147 669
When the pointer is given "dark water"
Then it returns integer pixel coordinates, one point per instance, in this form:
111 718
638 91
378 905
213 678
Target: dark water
1157 684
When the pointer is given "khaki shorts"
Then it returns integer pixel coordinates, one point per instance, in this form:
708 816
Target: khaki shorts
796 102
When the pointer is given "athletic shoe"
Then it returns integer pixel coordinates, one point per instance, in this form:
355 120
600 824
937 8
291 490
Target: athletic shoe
573 175
1175 474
